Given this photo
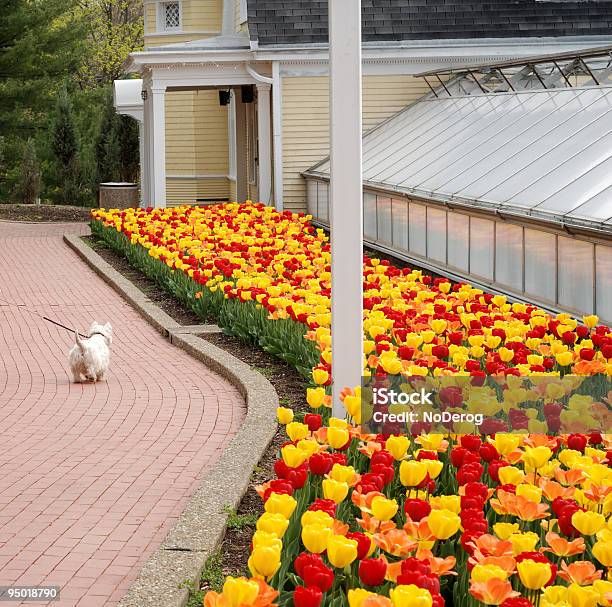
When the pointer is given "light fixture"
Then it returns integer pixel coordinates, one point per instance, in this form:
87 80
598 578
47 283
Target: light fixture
144 94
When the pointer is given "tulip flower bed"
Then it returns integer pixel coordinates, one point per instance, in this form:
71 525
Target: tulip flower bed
377 520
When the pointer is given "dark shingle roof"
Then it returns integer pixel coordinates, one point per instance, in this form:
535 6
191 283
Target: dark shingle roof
305 21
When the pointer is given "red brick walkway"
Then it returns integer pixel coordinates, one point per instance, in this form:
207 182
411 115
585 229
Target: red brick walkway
92 477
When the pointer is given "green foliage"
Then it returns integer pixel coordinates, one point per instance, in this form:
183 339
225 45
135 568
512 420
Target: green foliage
115 28
65 151
239 521
212 574
116 146
28 185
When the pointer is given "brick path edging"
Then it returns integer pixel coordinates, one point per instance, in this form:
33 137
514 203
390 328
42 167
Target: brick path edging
201 526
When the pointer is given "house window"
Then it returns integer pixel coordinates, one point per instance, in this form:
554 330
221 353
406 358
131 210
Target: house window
170 16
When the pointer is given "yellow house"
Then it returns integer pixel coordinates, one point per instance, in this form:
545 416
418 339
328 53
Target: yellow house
233 96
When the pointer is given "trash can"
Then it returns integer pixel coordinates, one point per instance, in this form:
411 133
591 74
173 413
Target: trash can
114 195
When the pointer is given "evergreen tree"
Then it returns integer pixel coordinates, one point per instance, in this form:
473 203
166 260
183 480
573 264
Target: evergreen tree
65 148
28 184
117 146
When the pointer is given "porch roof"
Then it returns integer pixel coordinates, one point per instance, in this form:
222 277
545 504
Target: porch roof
541 153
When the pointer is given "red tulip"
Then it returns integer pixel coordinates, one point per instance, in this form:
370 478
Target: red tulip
372 571
309 596
416 509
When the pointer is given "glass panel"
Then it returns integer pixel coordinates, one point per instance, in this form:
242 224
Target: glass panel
417 224
369 216
384 219
172 15
540 264
576 274
603 263
311 197
481 247
436 234
323 200
509 255
400 223
458 237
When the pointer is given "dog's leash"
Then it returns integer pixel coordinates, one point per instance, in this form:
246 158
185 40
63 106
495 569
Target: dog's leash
54 322
63 326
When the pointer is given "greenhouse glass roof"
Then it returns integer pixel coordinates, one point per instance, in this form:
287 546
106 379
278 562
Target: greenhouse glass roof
544 153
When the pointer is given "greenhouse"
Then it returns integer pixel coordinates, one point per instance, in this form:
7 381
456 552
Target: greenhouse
501 175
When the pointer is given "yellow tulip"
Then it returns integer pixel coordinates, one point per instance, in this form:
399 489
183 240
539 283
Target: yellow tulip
390 363
264 562
530 492
341 551
582 596
384 509
320 376
434 467
316 517
315 397
564 358
316 537
523 542
509 475
588 523
504 530
273 523
483 573
293 456
343 474
337 437
263 538
284 415
533 575
280 503
590 321
334 490
602 551
506 443
410 595
357 596
296 431
443 523
397 446
554 595
446 502
536 457
239 591
412 473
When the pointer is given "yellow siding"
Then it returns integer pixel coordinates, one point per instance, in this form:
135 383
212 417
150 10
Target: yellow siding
196 145
306 121
186 191
200 19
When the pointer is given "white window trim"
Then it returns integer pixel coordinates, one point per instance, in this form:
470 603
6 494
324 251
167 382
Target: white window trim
243 13
161 17
231 133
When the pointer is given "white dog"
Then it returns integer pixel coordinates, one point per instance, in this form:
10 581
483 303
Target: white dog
89 358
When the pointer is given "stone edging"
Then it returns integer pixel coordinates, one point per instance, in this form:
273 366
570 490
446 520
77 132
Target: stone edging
201 526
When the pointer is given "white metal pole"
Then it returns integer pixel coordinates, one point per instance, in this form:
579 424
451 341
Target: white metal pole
265 142
346 196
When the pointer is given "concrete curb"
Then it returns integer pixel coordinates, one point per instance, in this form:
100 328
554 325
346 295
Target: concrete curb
201 526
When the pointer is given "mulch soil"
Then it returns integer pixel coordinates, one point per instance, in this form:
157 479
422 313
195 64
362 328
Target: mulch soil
44 212
288 383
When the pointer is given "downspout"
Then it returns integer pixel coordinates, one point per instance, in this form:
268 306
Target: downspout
227 26
277 130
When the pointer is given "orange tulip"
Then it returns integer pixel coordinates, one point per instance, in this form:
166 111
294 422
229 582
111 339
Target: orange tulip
582 573
562 547
396 542
493 592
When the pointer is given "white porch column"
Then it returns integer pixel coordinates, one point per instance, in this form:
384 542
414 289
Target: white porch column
346 198
265 142
144 173
157 148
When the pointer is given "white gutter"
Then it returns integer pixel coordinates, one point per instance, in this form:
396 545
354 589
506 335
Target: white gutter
277 130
